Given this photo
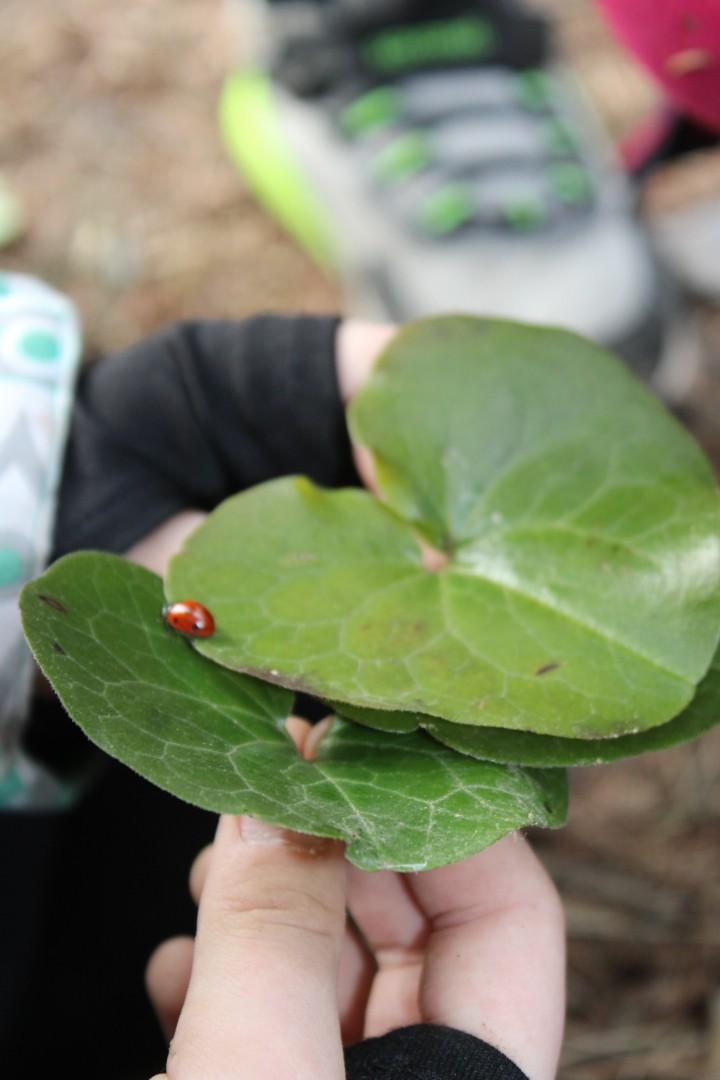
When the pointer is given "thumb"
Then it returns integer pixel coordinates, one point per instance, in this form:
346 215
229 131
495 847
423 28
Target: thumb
262 995
357 349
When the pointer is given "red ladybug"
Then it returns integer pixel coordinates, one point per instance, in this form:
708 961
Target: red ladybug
190 618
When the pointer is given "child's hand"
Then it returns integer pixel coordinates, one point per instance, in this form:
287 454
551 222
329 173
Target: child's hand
476 946
357 347
202 410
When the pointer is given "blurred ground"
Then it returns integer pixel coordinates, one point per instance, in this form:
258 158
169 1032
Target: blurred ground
110 140
108 136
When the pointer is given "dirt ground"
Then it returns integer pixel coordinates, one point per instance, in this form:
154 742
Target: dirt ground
109 139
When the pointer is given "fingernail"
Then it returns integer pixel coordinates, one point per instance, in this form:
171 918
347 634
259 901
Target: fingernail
254 831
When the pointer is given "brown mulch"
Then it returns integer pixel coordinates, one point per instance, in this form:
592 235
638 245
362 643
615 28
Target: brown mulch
109 138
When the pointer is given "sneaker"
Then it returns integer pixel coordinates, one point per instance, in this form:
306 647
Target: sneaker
445 164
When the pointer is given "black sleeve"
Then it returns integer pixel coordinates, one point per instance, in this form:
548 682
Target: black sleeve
428 1052
194 414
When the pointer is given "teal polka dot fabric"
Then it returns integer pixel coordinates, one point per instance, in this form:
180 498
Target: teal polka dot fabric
44 346
39 357
11 567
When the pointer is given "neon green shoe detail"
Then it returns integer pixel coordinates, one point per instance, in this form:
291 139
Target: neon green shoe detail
571 183
446 210
253 136
440 41
559 139
375 109
533 88
403 157
524 214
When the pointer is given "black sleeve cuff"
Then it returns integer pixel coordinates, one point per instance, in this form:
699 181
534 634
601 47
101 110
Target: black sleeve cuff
194 414
428 1052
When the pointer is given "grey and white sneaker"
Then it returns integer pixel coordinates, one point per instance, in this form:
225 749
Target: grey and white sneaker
445 162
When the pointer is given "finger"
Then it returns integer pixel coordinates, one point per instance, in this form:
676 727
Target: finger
298 729
495 963
301 732
198 872
315 736
355 978
355 974
395 930
365 465
385 910
167 977
156 549
262 996
358 346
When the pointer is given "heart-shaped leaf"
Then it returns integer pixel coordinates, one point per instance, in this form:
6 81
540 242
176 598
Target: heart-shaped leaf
217 739
325 592
581 597
548 751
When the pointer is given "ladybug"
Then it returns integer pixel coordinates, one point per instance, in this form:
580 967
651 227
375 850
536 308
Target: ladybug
190 618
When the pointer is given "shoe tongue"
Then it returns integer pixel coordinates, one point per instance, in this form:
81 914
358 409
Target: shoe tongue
399 36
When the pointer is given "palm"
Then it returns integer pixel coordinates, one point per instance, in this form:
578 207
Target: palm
474 946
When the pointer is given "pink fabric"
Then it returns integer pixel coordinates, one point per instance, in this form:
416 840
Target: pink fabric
679 41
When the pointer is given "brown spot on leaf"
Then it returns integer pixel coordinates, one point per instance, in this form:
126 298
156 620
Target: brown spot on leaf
545 669
57 647
53 603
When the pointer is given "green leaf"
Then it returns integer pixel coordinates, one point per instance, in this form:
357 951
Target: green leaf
548 751
325 593
217 739
494 744
581 598
399 723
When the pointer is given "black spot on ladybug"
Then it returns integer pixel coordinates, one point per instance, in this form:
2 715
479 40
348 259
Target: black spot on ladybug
57 647
545 669
53 603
